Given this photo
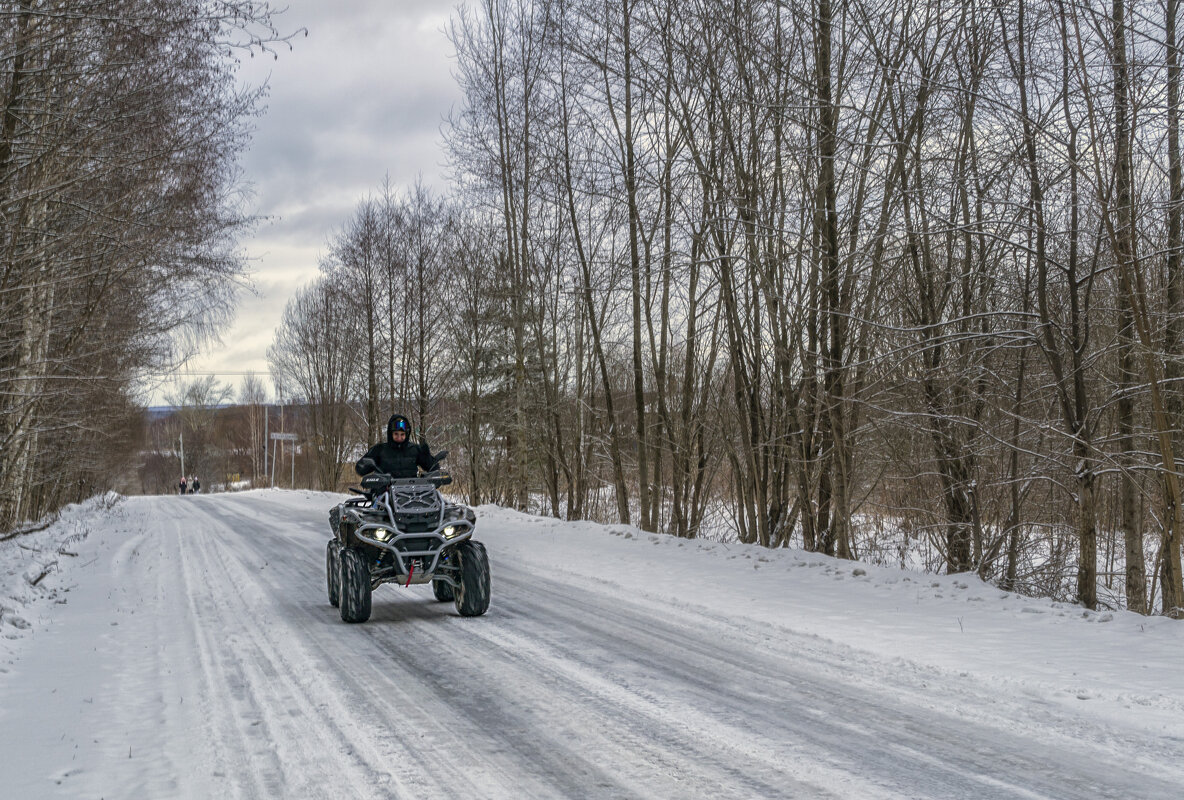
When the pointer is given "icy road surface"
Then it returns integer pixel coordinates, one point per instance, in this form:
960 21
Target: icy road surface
196 656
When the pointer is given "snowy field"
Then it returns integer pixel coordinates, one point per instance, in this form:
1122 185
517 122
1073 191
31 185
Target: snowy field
183 647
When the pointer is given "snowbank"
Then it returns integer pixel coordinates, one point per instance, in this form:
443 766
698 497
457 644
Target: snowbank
35 567
1125 664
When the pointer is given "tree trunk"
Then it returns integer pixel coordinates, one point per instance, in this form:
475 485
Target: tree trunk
838 528
635 268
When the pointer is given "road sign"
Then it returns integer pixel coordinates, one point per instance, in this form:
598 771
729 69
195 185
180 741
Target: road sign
284 437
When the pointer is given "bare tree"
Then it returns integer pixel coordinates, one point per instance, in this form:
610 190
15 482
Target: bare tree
252 395
119 126
317 352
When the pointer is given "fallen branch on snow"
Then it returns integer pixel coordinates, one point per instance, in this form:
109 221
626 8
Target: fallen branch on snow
45 570
39 527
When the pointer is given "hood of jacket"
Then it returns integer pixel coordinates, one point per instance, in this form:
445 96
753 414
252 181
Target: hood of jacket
390 428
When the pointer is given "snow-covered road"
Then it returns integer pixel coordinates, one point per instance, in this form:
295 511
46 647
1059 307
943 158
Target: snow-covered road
198 657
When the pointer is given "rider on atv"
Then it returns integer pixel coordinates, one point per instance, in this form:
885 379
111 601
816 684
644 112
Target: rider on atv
397 456
403 531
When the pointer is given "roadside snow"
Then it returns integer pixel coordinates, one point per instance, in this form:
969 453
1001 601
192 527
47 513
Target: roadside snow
35 570
1122 665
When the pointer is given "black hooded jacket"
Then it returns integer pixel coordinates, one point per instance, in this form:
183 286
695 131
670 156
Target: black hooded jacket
398 460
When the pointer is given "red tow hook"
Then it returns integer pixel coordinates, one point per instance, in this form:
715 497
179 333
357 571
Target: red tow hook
410 572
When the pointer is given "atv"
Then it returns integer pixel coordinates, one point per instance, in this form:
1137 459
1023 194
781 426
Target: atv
402 530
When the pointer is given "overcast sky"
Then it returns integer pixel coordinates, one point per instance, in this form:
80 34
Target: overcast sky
362 96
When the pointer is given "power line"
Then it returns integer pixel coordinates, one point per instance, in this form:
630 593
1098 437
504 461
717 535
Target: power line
187 373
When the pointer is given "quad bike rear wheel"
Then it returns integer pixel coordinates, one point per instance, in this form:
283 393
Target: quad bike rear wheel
333 571
355 586
472 596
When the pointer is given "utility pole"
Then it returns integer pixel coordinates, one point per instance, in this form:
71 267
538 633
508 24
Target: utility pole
182 452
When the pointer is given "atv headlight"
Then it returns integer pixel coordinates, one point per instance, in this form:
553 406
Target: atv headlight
382 534
450 531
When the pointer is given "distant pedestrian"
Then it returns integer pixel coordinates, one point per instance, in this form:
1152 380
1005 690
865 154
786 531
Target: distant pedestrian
183 484
196 485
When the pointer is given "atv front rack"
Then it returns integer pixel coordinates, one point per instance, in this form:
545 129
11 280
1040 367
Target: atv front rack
463 528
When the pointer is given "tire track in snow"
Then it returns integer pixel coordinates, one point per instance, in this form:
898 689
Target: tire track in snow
599 726
392 696
282 701
778 695
136 758
567 689
592 749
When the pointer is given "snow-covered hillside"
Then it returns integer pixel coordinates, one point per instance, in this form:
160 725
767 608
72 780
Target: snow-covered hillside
183 647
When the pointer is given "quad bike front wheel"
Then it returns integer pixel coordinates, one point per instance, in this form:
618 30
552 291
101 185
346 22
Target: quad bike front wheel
333 571
443 591
355 586
472 596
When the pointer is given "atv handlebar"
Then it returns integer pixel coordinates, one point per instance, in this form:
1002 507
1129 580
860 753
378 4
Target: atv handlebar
436 477
380 481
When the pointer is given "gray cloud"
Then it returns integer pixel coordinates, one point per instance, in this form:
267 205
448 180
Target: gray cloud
361 97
